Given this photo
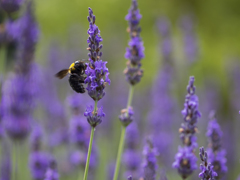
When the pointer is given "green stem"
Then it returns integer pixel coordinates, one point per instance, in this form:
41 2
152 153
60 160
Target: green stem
14 161
89 153
95 107
120 150
130 96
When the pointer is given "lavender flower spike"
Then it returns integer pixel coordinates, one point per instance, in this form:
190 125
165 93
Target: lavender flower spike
185 160
52 173
208 172
129 178
135 51
96 71
11 6
215 152
150 162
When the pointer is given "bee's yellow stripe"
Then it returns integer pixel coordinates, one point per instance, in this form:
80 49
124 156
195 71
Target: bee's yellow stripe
72 66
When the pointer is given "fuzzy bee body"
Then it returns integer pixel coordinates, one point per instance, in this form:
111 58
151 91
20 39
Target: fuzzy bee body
76 78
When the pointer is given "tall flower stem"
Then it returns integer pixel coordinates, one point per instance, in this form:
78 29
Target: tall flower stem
89 154
122 138
14 161
120 150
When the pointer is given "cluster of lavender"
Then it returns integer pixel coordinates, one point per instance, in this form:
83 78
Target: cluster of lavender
135 50
189 38
216 154
150 161
185 160
208 172
52 173
96 71
21 87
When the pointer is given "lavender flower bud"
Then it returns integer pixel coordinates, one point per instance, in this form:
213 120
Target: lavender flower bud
126 116
185 161
129 178
208 172
94 118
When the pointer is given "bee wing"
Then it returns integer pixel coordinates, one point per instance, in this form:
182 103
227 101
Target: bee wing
61 74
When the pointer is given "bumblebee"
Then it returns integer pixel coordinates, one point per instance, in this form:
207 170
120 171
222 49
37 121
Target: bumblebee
76 78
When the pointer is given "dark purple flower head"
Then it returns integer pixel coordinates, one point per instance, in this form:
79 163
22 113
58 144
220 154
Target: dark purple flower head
38 164
190 114
11 6
217 155
94 118
208 172
79 131
135 51
129 178
52 173
126 116
35 138
150 161
185 161
96 71
214 133
25 31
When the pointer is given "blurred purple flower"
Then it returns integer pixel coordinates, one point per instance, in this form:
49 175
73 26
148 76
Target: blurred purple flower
130 178
185 161
35 138
216 155
208 172
52 173
96 70
135 51
189 38
94 119
79 131
11 6
150 161
38 164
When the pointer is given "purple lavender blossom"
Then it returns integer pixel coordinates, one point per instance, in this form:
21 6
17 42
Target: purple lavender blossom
189 38
150 161
94 118
208 172
130 178
11 6
185 160
135 51
190 114
217 155
126 116
96 70
52 173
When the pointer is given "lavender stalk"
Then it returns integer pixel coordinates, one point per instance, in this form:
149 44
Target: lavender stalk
133 72
96 80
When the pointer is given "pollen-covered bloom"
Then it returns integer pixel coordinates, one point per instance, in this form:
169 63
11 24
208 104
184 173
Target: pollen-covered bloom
185 161
150 161
207 171
135 51
96 71
11 6
126 116
94 118
216 155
